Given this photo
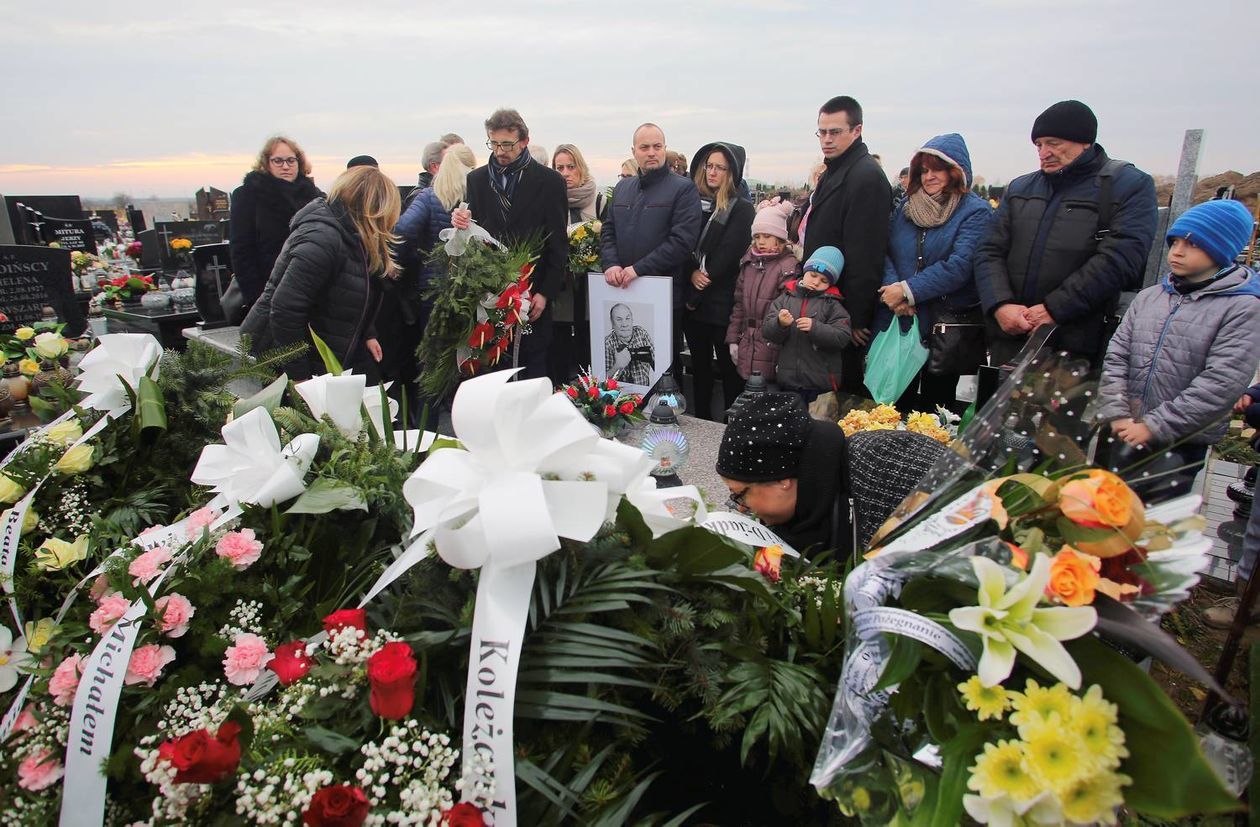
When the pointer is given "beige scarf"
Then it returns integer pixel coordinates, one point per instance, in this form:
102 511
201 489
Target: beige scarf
929 211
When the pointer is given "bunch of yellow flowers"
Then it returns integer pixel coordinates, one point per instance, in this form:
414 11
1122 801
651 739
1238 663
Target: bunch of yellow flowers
1063 766
887 418
928 425
181 245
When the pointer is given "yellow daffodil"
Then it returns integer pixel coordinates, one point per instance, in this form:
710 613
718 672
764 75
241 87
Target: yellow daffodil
1010 621
986 701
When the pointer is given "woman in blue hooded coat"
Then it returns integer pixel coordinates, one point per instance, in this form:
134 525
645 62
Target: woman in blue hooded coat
934 234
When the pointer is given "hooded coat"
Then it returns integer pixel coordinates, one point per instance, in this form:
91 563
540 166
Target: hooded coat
723 240
262 208
1177 362
947 279
809 361
761 280
321 279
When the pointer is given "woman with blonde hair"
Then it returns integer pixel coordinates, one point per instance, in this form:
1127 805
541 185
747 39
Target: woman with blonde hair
277 186
327 277
584 200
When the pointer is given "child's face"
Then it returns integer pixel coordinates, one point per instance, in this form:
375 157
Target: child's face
814 280
1185 259
767 244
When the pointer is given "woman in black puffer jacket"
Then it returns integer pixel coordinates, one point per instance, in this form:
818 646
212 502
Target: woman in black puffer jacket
325 277
273 191
718 170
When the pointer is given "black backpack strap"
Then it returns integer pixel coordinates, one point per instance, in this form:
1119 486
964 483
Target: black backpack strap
1105 207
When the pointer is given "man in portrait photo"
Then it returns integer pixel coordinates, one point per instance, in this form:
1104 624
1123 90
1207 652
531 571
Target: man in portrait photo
629 355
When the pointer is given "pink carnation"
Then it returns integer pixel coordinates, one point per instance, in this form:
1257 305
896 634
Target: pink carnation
244 660
239 548
25 720
65 680
174 611
111 607
151 529
199 520
149 565
39 771
147 663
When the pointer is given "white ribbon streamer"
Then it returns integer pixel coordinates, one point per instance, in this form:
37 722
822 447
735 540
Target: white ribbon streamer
118 359
251 467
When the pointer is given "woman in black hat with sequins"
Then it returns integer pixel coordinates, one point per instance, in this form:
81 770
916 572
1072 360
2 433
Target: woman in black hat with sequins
788 470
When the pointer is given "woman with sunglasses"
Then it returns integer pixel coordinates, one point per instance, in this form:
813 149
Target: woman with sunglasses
273 191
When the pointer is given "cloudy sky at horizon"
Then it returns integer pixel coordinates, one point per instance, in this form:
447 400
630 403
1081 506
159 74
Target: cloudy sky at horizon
162 99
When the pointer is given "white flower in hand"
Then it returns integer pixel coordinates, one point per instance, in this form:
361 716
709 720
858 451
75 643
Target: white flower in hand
1007 621
13 657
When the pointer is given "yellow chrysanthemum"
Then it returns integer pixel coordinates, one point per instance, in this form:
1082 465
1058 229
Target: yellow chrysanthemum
1054 754
1093 799
1036 703
1001 771
919 419
1094 720
887 414
986 701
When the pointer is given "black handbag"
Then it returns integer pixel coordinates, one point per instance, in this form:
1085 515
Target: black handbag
956 340
233 303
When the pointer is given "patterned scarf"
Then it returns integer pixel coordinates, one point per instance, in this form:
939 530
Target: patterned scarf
929 211
504 178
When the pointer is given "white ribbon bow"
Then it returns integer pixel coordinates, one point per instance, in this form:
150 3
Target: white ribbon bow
251 467
118 356
343 398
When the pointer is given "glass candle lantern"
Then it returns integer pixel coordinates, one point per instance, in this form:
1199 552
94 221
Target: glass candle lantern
665 442
667 391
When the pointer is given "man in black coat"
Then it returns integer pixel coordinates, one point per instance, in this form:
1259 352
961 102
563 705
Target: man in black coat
849 210
652 226
515 198
1055 253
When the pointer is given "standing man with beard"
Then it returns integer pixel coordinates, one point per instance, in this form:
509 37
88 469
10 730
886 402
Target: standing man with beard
849 210
652 226
515 199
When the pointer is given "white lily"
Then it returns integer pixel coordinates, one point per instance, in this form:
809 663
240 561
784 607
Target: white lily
343 399
251 466
13 657
1009 621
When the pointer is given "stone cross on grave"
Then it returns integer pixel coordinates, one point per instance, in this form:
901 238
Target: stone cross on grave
166 237
216 269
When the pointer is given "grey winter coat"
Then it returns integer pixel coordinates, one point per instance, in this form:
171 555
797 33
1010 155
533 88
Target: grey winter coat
1178 362
761 280
809 361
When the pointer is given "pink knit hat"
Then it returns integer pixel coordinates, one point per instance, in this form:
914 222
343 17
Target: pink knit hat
771 218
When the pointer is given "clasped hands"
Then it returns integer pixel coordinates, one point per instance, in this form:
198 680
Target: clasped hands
1018 319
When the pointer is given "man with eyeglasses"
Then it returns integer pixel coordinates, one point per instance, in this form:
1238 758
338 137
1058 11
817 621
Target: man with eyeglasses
652 225
849 210
515 198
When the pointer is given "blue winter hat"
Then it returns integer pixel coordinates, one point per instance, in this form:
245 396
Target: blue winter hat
828 261
1219 228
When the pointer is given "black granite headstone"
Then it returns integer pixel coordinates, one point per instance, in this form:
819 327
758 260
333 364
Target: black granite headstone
107 217
136 219
69 233
198 232
20 208
32 278
150 258
211 203
214 272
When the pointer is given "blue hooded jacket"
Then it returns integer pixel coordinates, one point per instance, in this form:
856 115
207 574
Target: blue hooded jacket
946 280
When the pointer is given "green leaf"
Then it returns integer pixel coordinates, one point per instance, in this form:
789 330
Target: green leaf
325 495
1074 533
629 518
1171 778
41 407
240 716
268 398
902 661
151 407
957 756
329 741
445 442
694 550
325 352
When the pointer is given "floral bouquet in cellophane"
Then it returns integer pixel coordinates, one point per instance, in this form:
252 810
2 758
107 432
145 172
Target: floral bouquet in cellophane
584 247
990 667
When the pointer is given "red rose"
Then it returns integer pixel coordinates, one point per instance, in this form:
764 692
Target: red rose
290 662
481 334
609 411
627 408
572 392
464 815
200 759
612 384
392 673
592 391
337 806
346 618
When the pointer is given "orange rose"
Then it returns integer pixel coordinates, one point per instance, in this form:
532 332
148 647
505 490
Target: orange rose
1019 557
1073 577
767 562
1100 499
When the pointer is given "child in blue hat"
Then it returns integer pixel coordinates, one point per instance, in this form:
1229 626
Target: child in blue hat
1183 349
811 327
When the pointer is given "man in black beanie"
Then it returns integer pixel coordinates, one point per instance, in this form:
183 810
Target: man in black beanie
1066 241
788 469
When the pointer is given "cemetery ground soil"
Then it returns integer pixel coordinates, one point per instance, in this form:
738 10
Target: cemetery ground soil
1185 623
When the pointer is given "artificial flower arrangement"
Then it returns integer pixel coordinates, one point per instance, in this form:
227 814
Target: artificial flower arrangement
25 342
133 249
941 426
982 671
584 247
182 249
478 309
604 403
81 262
126 287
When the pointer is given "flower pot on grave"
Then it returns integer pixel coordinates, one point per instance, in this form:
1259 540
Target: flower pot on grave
156 300
130 303
6 402
49 372
16 384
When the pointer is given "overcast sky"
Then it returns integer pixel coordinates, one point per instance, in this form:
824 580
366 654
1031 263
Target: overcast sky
163 97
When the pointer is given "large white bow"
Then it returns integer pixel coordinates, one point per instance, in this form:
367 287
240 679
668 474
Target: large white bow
251 467
342 398
117 358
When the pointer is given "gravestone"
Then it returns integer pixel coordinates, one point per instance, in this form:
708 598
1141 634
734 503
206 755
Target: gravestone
136 219
214 272
150 258
198 232
69 233
212 203
33 277
1187 174
107 217
21 207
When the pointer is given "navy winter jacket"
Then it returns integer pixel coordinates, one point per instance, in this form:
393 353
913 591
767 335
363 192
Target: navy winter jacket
652 226
418 227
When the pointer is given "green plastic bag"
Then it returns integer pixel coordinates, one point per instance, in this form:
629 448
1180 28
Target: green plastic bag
893 361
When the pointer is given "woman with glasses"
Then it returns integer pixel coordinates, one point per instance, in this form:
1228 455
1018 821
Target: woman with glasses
273 191
326 278
933 236
718 170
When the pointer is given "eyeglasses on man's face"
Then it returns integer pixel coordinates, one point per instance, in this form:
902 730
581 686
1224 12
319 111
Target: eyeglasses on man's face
283 162
832 133
504 146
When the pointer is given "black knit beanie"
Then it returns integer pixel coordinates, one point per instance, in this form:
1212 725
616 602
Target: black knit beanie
1069 120
765 439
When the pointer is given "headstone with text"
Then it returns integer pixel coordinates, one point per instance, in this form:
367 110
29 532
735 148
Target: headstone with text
198 232
32 278
212 203
21 210
69 233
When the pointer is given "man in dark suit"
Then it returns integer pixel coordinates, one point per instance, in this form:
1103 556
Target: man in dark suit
515 198
849 210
